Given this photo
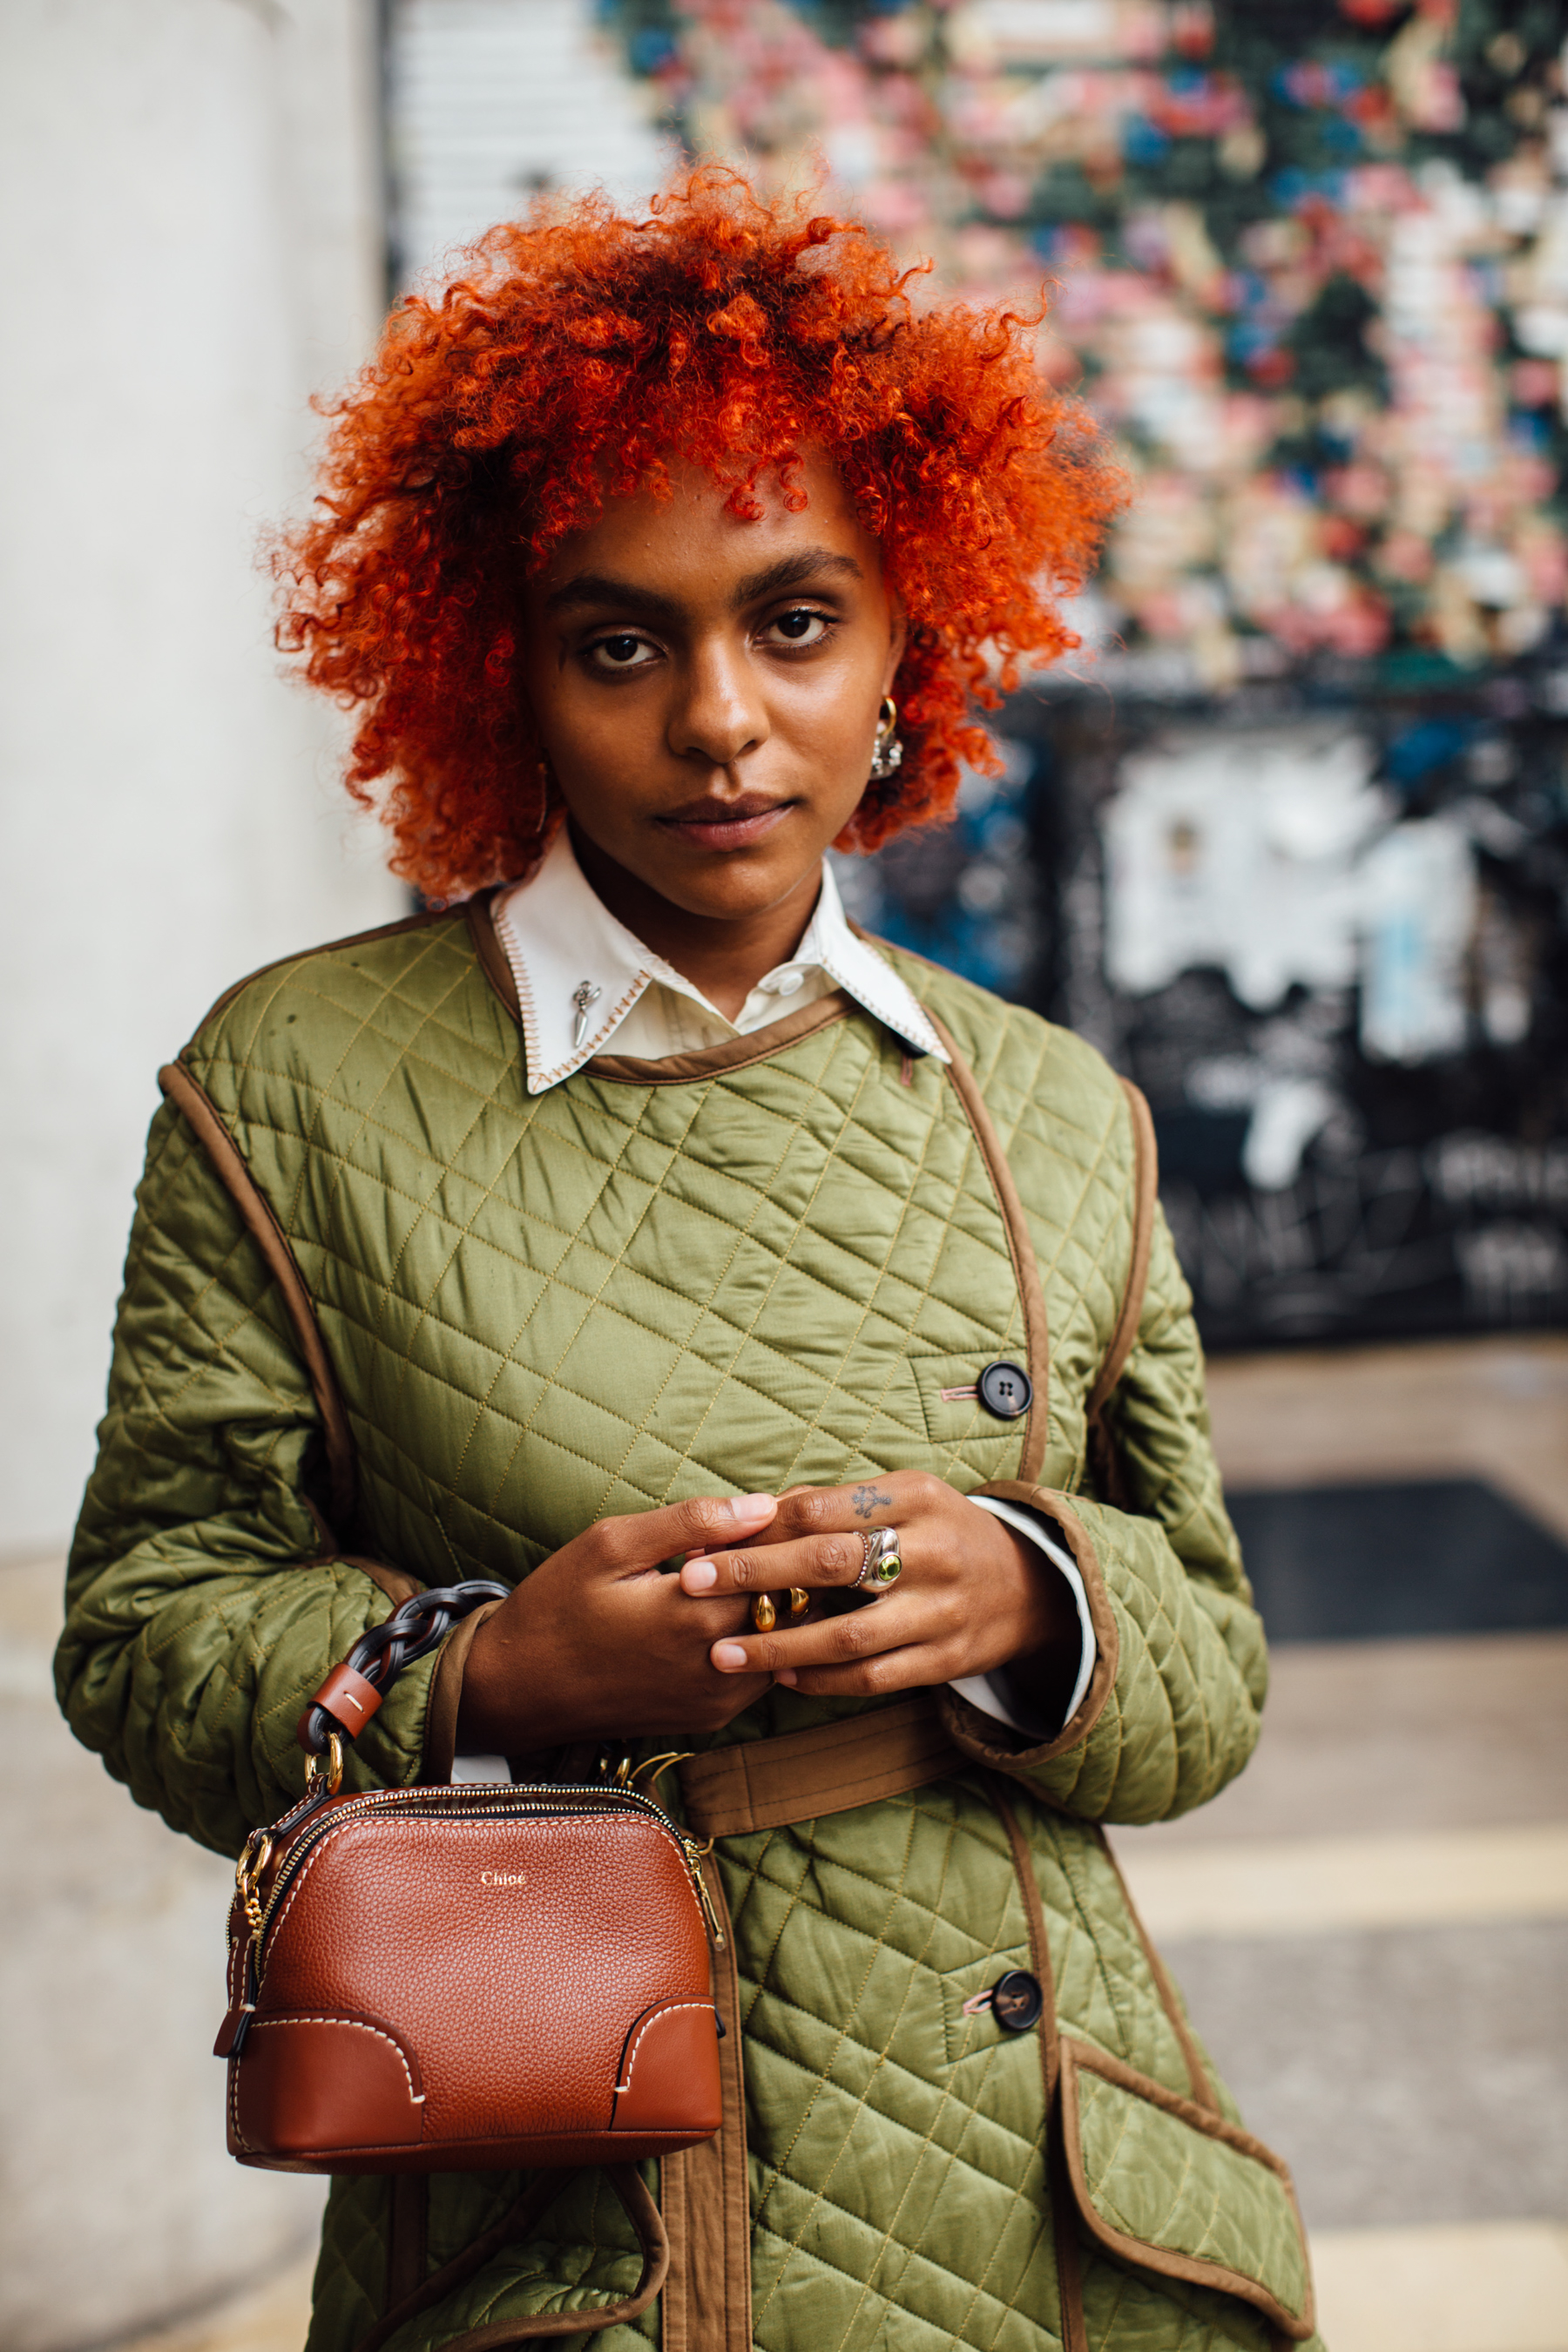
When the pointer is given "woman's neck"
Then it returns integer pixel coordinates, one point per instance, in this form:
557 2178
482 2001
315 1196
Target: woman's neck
725 958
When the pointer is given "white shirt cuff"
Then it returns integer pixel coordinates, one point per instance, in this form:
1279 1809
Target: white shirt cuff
996 1693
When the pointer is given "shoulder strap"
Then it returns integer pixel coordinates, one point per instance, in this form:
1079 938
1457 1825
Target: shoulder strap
1145 1190
200 1114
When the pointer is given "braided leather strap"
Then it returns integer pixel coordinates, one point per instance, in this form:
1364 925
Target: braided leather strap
352 1691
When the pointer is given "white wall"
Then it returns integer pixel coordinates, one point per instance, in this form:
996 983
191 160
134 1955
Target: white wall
189 245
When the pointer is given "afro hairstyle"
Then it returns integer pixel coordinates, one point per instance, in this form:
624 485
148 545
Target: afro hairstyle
574 356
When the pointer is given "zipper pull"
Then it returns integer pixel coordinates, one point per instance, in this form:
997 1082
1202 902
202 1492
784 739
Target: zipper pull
695 1856
231 2034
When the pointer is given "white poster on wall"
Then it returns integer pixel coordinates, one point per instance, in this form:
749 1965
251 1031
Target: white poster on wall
1418 914
1239 851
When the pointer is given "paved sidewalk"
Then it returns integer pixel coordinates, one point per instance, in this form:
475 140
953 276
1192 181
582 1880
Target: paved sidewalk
1370 1925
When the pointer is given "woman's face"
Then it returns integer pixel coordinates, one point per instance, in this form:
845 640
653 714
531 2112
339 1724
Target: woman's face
707 689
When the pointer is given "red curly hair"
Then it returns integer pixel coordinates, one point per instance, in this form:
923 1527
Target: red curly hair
575 354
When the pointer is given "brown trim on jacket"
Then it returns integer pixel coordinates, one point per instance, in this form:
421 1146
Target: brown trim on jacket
1064 2211
200 1114
1192 2056
1164 2260
1145 1191
540 2191
667 1069
1103 1455
1039 1939
734 1054
487 945
1020 1248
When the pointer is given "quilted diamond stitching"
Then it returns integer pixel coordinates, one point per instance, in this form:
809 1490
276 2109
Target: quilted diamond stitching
921 1268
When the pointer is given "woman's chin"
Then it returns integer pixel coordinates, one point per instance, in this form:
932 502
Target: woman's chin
728 885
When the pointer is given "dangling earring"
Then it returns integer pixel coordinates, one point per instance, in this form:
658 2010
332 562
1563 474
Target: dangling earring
888 752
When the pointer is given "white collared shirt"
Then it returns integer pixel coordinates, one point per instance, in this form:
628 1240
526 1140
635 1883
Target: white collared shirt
571 958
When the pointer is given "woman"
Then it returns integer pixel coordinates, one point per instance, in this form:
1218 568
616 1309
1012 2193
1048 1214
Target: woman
636 1213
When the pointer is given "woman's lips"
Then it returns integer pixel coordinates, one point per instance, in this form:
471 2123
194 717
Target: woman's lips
727 825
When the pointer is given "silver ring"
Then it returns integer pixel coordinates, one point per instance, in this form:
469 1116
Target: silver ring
881 1567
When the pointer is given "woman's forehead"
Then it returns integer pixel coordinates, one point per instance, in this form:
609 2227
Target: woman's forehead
691 528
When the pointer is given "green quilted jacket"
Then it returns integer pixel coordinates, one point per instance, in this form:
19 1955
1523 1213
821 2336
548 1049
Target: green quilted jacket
389 1320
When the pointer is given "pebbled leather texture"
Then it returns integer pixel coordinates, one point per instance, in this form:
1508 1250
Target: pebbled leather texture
445 1986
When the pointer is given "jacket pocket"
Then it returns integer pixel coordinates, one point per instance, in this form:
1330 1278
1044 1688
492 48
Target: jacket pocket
1167 2185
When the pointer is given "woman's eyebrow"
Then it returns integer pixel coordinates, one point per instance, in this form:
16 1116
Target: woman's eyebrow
791 569
604 588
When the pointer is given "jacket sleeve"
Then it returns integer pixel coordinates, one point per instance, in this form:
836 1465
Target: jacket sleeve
1173 1709
205 1598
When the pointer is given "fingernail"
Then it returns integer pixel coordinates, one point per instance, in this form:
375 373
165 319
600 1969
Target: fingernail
751 1507
726 1656
787 1675
698 1576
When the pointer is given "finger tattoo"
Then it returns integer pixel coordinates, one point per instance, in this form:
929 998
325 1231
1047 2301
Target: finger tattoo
867 1499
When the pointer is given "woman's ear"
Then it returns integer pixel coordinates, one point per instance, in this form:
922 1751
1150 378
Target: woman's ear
897 635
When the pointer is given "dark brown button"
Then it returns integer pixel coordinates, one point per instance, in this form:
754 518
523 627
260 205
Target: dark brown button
1016 2000
1005 1389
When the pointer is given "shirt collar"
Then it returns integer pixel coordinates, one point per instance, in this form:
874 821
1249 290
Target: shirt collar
568 955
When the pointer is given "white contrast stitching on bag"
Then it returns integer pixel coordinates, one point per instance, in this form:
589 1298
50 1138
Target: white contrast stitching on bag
671 2009
261 2024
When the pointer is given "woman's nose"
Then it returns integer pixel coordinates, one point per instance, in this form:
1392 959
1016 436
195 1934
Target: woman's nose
719 712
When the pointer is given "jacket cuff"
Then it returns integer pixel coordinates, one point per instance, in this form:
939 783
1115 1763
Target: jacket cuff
447 1695
976 1733
998 1693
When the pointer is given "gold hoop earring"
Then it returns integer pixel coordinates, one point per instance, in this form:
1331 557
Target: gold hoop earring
887 752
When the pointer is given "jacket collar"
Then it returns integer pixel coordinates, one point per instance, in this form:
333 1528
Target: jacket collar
569 957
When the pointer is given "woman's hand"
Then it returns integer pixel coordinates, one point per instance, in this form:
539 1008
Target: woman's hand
973 1596
598 1643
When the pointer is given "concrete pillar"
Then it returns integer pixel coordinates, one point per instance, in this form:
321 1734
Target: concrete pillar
189 231
191 244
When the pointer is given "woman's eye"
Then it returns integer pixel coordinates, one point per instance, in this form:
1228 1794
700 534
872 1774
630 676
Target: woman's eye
621 652
801 627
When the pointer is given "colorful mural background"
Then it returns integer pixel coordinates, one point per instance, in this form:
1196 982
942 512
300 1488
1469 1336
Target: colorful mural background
1311 263
1289 838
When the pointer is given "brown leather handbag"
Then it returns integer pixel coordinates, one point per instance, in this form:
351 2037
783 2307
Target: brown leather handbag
465 1977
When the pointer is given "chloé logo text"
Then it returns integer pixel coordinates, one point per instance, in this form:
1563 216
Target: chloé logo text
503 1878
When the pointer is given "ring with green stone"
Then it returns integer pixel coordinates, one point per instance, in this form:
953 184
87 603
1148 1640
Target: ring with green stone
882 1567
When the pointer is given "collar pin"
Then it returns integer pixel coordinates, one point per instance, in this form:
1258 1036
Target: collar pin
583 996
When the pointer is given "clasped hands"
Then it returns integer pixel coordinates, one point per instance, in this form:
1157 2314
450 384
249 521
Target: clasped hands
601 1642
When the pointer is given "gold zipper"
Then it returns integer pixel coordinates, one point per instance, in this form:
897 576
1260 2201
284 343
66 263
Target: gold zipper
539 1801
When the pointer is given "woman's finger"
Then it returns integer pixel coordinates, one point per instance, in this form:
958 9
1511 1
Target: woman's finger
900 1499
814 1562
860 1633
640 1540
